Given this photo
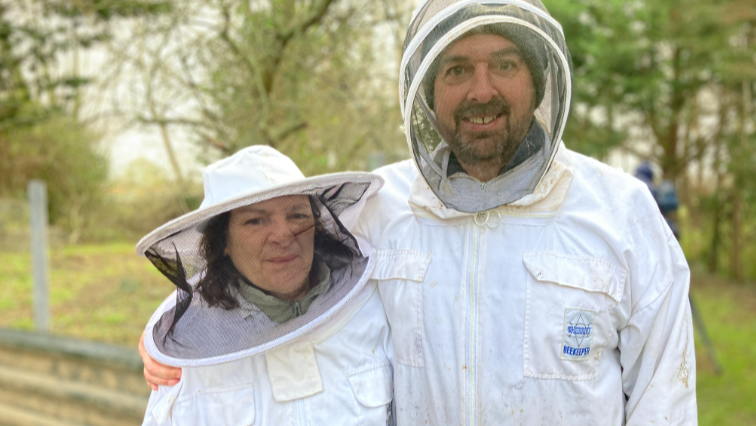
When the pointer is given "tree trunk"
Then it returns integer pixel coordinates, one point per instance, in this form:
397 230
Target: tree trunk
742 151
671 162
736 267
716 236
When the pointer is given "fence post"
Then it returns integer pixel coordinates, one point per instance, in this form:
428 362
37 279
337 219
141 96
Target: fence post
38 216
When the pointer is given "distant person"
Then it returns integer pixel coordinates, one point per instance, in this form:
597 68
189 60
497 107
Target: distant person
273 322
664 194
645 173
666 199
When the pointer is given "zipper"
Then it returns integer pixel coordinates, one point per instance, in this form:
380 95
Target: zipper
491 219
472 331
300 412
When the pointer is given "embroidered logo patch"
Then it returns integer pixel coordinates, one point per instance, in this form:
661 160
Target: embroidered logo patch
578 334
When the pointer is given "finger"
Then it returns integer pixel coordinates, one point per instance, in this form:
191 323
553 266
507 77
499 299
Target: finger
161 371
156 373
155 381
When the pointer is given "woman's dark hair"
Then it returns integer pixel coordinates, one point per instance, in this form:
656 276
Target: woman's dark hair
220 272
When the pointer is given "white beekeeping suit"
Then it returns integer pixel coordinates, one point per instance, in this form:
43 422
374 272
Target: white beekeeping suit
250 355
555 292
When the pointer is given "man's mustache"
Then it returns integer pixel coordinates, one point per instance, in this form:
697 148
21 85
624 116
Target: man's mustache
467 109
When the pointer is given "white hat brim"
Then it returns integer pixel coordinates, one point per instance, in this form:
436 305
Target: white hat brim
300 187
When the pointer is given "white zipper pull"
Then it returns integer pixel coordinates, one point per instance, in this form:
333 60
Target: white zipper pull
483 218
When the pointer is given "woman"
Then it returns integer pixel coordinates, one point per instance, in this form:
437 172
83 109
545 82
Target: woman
274 320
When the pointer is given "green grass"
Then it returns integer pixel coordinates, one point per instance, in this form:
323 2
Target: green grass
98 292
729 314
107 293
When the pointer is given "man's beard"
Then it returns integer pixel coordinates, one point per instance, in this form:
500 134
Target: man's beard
502 143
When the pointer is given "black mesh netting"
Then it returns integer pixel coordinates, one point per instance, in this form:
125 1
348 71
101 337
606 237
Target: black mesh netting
250 276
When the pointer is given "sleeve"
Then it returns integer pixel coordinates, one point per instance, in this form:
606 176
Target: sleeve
656 345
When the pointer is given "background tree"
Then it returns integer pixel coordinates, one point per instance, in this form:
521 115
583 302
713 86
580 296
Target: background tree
670 82
307 77
40 134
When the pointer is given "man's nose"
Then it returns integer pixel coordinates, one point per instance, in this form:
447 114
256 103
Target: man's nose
482 89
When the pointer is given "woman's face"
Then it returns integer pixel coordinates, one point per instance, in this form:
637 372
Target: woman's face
271 243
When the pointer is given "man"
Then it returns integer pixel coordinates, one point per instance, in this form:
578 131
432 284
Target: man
555 293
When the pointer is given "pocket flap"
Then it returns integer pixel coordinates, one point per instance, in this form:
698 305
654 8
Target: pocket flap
584 272
401 264
372 385
293 371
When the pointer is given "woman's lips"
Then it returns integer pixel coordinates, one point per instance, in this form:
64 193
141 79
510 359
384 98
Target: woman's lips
279 260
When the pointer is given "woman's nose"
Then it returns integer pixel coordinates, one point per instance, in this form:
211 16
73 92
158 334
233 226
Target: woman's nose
482 89
281 232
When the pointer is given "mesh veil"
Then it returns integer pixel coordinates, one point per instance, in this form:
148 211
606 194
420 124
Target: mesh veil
436 29
234 271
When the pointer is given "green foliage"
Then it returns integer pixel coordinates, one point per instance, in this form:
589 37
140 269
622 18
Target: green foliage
590 128
641 66
141 200
33 37
302 76
107 10
40 135
671 81
61 152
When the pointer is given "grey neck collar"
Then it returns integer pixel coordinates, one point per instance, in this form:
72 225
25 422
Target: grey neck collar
462 192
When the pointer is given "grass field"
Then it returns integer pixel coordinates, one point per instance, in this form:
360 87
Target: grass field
98 292
107 293
729 314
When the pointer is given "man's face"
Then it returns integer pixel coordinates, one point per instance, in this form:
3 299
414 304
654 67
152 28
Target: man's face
484 98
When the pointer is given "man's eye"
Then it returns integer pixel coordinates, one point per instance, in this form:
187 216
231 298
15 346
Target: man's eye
506 66
300 216
456 71
253 221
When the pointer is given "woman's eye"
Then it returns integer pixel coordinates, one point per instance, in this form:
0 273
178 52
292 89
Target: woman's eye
254 221
300 216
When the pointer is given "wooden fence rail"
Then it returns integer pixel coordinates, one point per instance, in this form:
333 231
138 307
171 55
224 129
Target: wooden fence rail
50 380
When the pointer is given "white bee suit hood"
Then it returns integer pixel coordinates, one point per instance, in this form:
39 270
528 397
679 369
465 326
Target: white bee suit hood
436 27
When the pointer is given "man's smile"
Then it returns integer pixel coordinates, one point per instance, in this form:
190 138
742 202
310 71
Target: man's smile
483 123
482 120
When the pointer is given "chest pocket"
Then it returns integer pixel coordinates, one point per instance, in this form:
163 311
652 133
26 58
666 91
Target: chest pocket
567 324
229 406
400 274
